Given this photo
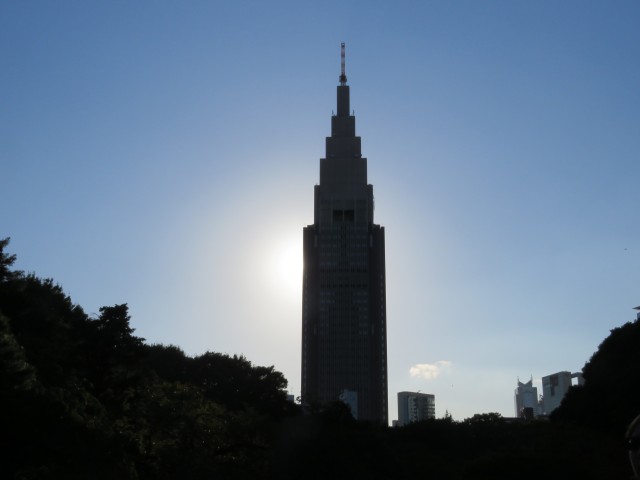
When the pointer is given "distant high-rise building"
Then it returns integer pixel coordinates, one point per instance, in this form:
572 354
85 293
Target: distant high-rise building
526 399
555 387
413 407
344 334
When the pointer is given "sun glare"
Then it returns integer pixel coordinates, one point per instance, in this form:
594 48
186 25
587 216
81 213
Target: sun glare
287 266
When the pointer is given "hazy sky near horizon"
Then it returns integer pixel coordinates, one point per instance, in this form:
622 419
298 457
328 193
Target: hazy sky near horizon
163 154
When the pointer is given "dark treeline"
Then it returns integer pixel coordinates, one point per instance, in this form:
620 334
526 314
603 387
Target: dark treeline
84 397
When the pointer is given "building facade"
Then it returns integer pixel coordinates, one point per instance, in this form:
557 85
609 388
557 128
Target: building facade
526 400
415 406
344 334
555 387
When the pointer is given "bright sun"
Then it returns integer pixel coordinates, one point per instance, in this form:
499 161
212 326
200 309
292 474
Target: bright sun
287 266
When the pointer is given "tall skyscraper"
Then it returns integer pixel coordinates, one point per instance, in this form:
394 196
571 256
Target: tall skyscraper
344 326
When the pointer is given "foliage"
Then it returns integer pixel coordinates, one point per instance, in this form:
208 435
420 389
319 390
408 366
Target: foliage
6 261
16 374
86 398
610 396
488 447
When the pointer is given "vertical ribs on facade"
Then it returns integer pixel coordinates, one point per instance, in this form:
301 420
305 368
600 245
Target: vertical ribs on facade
344 334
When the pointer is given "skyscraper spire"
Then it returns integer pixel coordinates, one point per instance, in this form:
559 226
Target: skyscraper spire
343 88
343 75
344 325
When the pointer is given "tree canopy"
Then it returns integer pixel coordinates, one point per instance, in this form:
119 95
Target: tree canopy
85 397
610 396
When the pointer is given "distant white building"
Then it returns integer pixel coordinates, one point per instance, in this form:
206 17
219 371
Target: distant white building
555 387
526 397
415 406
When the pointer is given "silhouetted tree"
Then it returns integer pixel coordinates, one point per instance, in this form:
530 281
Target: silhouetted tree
16 374
111 349
610 397
168 361
86 398
491 418
6 261
234 382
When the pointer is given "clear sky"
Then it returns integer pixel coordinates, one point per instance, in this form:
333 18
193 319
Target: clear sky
163 154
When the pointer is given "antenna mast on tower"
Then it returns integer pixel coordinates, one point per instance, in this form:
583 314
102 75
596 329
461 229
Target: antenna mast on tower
343 76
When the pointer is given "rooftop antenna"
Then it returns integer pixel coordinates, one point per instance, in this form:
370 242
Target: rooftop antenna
343 76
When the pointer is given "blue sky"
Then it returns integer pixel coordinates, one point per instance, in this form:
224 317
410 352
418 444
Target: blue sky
163 154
